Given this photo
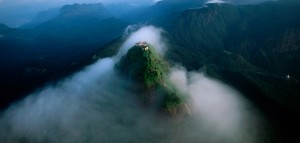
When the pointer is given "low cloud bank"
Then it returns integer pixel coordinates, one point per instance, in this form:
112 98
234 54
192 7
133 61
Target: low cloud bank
219 109
96 105
238 2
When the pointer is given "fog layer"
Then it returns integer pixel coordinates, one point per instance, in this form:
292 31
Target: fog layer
96 105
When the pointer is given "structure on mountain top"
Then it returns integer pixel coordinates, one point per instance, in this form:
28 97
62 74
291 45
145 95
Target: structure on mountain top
143 45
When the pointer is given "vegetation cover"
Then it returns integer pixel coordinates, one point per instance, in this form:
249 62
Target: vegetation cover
144 66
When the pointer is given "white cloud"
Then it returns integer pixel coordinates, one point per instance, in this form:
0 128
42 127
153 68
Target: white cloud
96 105
219 107
149 34
215 1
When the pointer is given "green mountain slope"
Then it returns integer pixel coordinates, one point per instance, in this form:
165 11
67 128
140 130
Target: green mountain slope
254 48
144 65
149 72
260 42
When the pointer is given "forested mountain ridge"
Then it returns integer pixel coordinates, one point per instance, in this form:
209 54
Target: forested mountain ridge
260 42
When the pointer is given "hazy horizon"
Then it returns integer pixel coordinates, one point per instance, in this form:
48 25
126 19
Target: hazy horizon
15 13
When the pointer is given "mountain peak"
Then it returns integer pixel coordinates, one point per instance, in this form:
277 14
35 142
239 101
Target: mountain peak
83 10
143 66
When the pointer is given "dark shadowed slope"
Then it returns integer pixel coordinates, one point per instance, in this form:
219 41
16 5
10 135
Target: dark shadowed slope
51 50
255 48
259 40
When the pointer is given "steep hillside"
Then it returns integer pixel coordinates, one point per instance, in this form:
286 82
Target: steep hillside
53 49
149 72
254 48
42 17
259 33
261 42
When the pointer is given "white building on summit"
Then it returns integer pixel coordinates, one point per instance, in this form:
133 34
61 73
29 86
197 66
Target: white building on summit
143 45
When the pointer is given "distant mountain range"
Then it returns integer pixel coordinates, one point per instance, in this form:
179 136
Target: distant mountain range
49 46
42 17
